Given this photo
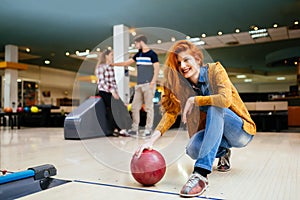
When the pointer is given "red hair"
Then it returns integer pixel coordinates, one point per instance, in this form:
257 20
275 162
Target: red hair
176 87
182 46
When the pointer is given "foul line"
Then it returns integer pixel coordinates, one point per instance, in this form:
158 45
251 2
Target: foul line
139 189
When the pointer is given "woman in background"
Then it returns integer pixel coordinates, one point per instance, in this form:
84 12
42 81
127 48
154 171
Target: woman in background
108 91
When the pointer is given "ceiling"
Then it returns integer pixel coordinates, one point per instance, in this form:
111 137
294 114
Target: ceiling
50 28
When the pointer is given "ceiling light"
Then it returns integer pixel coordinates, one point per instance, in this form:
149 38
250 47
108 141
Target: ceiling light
92 56
109 48
81 53
196 39
203 35
173 39
87 50
98 49
296 63
187 37
280 78
220 33
296 22
275 25
241 76
259 33
158 41
133 33
199 43
132 50
247 80
27 50
237 30
47 62
255 28
67 53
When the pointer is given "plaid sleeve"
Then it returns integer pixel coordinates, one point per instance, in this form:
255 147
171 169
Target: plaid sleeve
100 73
110 79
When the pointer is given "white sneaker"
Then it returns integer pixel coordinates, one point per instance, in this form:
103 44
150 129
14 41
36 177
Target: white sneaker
132 132
147 132
124 133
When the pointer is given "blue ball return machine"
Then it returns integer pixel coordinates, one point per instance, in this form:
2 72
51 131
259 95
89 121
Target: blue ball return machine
35 179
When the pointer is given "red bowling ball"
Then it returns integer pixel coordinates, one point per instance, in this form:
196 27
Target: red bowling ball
20 109
149 168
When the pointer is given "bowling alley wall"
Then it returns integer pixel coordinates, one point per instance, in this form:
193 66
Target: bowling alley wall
59 83
54 82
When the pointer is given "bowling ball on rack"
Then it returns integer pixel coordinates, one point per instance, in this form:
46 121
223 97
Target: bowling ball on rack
129 107
20 109
149 168
27 109
34 109
8 110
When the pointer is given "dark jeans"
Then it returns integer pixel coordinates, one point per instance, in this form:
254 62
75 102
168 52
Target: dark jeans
117 114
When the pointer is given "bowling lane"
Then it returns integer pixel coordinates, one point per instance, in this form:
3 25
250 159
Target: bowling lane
270 157
94 191
99 160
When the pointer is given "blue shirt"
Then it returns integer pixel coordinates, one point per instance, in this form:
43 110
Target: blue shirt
202 87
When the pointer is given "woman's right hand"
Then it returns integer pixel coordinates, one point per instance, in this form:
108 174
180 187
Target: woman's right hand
149 144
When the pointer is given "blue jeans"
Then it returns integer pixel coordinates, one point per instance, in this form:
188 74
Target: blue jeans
224 129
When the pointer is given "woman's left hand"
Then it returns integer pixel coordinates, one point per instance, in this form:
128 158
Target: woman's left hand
188 108
115 95
152 84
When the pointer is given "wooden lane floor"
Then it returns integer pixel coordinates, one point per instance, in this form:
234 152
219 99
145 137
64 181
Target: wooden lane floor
268 168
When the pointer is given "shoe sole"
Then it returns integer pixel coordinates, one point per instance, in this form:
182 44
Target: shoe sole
222 170
194 195
140 136
124 135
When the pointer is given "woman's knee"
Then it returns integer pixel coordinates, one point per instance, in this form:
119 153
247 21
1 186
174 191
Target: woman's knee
243 141
194 145
191 152
214 110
